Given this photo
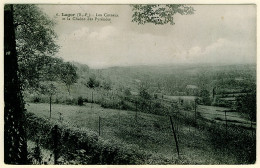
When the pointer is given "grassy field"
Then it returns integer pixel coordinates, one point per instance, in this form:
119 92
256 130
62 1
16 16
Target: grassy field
151 132
218 114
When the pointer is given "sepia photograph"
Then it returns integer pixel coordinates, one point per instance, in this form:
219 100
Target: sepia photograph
130 84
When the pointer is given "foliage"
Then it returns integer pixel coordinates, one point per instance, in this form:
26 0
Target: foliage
205 97
143 91
159 14
35 42
107 84
187 105
144 94
68 74
47 88
93 82
80 101
246 104
37 153
127 92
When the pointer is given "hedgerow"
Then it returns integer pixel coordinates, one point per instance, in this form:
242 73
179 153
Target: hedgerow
86 146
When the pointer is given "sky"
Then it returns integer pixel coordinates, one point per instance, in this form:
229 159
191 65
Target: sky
223 34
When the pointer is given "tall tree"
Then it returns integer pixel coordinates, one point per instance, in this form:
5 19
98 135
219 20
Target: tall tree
35 42
28 39
15 144
68 74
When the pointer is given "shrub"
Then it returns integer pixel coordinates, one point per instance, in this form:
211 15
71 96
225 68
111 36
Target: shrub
36 99
71 101
187 105
80 101
85 100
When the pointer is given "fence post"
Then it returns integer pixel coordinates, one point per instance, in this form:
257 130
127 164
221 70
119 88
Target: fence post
119 117
195 113
92 99
175 137
99 122
136 111
50 106
226 121
60 117
55 141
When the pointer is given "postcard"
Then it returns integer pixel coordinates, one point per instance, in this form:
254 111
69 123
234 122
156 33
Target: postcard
130 84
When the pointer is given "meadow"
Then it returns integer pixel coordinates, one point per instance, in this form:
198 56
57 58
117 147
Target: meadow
199 143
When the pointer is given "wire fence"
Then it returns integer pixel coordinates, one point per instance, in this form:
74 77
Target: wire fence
157 133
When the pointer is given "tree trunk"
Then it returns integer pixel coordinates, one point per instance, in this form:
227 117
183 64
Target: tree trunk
15 142
50 107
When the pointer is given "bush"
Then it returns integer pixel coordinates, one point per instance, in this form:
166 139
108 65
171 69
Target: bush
85 100
187 105
109 104
36 99
71 101
80 101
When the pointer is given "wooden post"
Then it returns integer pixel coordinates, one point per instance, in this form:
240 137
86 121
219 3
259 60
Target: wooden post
55 142
92 100
177 122
99 125
195 113
92 97
119 116
50 106
61 118
175 137
226 121
136 111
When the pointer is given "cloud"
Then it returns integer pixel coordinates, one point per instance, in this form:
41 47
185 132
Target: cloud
223 51
76 35
194 51
84 34
215 33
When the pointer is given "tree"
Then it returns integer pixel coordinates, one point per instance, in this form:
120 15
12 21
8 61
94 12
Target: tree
159 14
107 84
68 74
48 88
35 43
205 97
246 104
15 142
144 93
93 82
